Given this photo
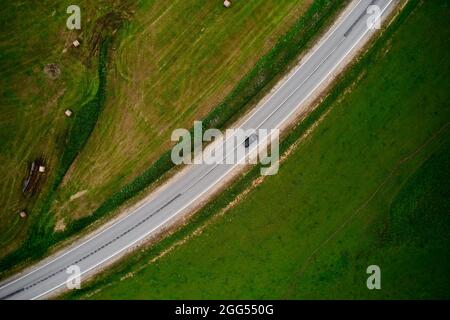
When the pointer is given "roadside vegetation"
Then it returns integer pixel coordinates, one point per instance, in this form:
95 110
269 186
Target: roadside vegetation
142 85
368 185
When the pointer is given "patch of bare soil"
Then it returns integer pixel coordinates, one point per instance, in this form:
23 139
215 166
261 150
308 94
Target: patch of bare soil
52 71
31 184
60 225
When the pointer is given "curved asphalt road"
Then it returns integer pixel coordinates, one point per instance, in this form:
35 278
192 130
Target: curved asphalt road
197 180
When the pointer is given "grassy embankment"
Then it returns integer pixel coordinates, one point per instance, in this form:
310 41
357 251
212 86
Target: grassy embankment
368 186
225 35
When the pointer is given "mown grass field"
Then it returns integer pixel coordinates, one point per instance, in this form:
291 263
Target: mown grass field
32 104
368 186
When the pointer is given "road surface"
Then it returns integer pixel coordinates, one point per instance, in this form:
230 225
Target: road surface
197 180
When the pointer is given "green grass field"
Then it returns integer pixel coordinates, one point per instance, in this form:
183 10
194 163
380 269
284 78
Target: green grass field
368 186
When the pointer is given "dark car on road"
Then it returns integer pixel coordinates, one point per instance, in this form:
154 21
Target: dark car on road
250 139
